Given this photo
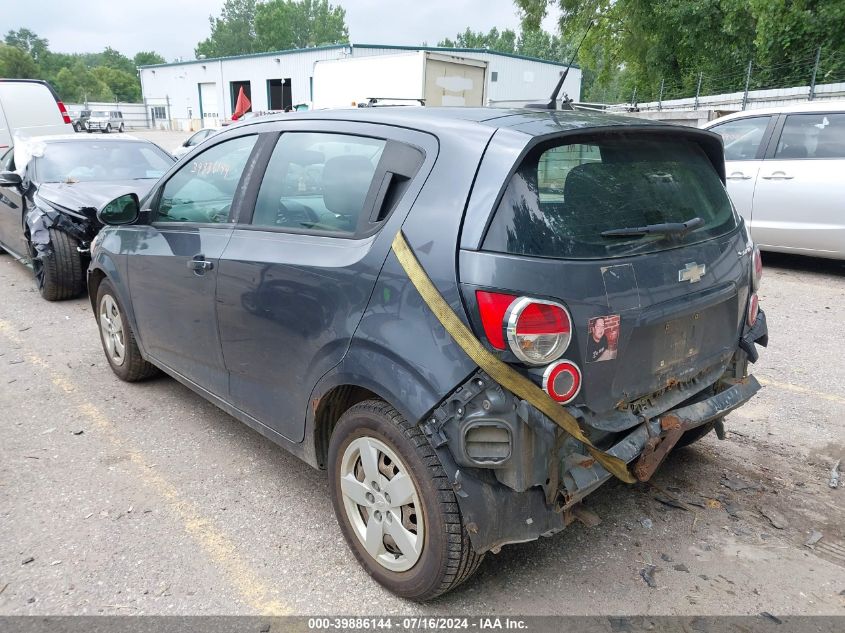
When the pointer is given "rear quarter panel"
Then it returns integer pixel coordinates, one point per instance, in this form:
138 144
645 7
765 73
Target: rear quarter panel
400 346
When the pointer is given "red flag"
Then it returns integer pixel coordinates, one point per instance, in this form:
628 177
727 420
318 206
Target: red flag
241 106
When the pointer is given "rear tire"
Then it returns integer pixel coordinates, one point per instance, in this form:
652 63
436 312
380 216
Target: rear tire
120 129
421 570
119 344
59 275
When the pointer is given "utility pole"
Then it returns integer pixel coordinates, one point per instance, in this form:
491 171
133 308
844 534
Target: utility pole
634 98
815 71
660 97
747 84
698 90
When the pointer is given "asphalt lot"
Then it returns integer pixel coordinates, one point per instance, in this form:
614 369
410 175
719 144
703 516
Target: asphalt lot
146 499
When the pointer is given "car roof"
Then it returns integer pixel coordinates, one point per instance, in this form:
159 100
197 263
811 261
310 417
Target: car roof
794 108
440 119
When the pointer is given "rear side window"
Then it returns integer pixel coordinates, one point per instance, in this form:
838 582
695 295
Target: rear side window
318 182
812 136
564 196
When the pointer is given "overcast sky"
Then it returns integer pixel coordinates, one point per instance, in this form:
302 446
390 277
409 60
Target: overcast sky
173 28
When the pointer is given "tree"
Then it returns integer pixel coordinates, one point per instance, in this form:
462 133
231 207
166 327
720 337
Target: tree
16 64
147 58
78 84
284 24
542 45
233 33
124 86
637 44
28 42
111 58
495 40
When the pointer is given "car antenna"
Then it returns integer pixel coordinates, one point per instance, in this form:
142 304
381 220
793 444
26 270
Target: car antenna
552 104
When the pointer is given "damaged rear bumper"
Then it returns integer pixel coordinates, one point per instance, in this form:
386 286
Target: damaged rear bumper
518 477
652 440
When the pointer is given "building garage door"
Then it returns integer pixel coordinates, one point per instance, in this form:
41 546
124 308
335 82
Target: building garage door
208 102
450 84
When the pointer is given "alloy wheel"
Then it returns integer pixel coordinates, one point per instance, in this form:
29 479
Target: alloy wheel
111 327
382 503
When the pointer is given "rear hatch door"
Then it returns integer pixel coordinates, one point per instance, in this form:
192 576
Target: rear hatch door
649 309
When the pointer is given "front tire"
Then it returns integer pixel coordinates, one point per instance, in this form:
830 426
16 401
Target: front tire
118 340
108 129
414 543
59 275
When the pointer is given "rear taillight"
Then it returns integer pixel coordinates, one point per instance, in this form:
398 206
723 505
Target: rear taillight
756 270
562 381
538 332
63 110
753 309
493 306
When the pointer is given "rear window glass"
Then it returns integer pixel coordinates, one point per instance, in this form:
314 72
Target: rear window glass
564 196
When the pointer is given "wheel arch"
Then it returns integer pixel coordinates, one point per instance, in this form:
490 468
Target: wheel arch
103 268
368 371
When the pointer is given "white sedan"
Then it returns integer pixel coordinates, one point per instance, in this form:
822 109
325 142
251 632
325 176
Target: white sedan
786 175
193 140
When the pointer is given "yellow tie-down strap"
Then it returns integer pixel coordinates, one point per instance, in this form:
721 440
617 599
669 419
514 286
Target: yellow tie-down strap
501 372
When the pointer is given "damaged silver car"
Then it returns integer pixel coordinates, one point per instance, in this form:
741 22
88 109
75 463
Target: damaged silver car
50 190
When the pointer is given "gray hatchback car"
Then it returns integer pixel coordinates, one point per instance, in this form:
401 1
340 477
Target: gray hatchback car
471 318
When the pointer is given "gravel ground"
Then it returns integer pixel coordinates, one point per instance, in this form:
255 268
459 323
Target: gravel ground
146 499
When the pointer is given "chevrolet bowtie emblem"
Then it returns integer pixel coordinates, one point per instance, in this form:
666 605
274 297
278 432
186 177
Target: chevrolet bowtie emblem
692 272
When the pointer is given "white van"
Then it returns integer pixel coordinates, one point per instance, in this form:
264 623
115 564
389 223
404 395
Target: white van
30 107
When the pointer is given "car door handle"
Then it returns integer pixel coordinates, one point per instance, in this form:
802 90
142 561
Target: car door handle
778 175
738 175
199 262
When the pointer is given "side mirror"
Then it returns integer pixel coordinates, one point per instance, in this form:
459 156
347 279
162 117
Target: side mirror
122 210
9 179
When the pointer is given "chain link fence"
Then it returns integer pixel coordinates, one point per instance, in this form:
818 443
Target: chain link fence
813 73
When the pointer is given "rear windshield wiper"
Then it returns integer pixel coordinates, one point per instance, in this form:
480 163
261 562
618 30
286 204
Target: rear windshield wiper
666 228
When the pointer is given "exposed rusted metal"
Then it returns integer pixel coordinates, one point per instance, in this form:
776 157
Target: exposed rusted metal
669 422
655 452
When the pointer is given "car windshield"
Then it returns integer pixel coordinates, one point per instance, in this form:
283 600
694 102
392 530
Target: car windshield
100 113
86 161
588 200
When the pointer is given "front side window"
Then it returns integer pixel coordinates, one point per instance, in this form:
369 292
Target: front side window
316 181
204 188
812 136
742 137
565 196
